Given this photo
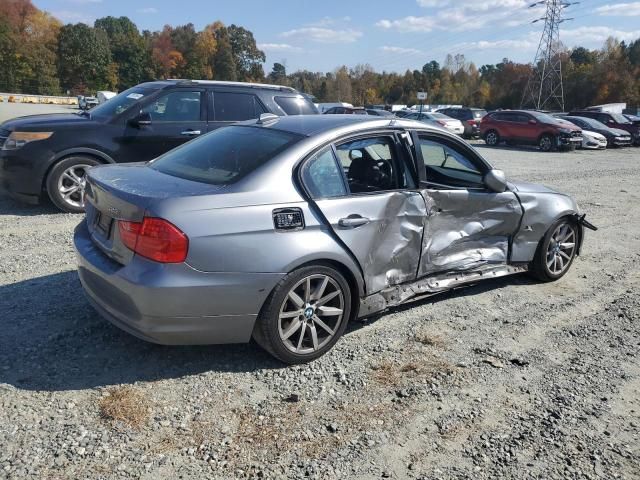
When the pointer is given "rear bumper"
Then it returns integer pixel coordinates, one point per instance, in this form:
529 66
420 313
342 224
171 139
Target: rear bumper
171 304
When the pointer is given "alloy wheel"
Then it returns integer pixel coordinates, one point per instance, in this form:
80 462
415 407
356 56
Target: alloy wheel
561 249
311 314
491 138
545 143
71 184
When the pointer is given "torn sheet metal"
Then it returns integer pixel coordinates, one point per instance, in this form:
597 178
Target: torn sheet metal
466 229
387 244
432 285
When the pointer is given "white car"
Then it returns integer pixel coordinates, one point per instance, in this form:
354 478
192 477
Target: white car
593 140
439 120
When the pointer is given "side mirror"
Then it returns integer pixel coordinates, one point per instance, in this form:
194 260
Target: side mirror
141 120
496 181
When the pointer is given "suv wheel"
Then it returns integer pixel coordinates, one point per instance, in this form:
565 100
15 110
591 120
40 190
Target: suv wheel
305 315
492 138
66 180
546 143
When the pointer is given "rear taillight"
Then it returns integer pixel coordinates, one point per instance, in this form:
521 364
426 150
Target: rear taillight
155 239
472 122
442 122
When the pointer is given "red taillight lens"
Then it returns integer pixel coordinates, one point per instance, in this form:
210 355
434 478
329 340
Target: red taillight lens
155 239
472 122
442 122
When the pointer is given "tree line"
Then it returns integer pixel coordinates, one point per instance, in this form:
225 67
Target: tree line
40 55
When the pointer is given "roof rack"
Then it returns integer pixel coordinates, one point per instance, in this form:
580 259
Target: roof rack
183 81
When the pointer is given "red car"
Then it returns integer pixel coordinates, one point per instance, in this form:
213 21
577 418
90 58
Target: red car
526 127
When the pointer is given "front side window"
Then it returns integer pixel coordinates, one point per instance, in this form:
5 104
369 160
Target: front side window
236 107
121 102
178 106
224 156
322 177
371 165
447 166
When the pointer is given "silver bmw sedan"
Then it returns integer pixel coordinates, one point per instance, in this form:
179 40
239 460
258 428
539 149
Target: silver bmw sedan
286 228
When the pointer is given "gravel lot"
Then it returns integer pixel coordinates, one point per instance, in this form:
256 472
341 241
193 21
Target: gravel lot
506 379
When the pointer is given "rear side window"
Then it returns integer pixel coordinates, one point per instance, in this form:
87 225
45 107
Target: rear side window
225 155
235 107
322 176
296 105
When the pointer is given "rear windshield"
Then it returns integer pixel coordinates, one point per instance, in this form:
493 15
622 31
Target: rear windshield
121 102
225 155
296 105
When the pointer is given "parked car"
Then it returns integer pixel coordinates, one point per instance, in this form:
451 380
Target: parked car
614 136
346 111
612 120
402 113
528 127
357 214
470 118
51 153
448 123
323 107
379 113
632 118
87 103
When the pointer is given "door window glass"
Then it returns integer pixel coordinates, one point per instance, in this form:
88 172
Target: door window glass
322 176
447 166
178 106
235 107
370 165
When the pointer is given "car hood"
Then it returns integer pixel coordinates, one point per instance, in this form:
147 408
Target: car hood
619 132
50 121
591 133
526 187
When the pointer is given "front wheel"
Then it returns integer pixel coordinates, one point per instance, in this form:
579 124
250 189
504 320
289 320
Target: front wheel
546 143
492 138
305 315
556 251
66 181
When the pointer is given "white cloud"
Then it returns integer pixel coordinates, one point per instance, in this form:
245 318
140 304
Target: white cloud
463 15
323 35
329 21
400 50
148 10
72 17
278 47
521 44
619 9
595 35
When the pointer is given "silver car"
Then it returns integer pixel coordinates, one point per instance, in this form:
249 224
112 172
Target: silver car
285 229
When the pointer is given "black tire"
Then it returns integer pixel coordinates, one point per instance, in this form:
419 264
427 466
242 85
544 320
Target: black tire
492 138
57 180
546 143
267 332
539 267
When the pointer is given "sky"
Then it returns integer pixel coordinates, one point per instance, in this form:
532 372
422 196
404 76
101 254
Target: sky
391 35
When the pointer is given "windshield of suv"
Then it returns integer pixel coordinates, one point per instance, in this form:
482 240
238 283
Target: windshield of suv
225 155
619 118
121 102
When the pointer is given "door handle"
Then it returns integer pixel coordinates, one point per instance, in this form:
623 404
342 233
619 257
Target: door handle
353 221
190 133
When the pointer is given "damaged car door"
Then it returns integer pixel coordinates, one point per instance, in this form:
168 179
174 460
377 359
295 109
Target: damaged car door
467 224
365 190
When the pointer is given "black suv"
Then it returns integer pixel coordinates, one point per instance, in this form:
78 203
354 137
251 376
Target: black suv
612 120
470 118
51 153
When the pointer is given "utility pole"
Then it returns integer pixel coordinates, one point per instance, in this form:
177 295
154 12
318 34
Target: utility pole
544 89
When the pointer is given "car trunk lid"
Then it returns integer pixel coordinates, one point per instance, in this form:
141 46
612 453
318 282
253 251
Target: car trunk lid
123 192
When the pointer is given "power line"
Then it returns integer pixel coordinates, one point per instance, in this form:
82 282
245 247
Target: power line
544 88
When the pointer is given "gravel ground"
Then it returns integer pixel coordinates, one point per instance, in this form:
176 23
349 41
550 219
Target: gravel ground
506 379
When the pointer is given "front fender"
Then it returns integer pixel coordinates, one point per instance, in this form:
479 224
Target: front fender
541 210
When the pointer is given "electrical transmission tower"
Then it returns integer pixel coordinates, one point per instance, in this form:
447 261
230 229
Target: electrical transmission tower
544 88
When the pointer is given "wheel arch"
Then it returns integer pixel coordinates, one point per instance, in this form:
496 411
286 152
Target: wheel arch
64 154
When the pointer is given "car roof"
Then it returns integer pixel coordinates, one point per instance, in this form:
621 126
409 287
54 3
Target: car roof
185 82
309 125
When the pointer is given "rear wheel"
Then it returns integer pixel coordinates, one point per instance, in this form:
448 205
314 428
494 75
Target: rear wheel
492 138
546 143
305 315
556 251
66 181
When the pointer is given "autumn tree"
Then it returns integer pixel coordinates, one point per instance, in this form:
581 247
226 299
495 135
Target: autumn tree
224 65
167 59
